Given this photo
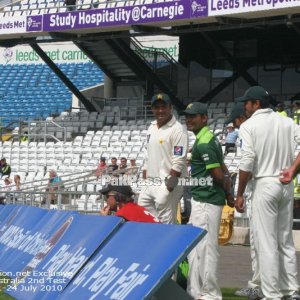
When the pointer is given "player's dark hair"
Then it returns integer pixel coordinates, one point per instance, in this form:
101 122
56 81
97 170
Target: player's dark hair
263 103
123 198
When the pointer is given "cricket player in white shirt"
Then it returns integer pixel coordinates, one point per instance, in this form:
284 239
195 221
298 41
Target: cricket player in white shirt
165 161
267 148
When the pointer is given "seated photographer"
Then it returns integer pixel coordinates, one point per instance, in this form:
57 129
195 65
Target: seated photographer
121 204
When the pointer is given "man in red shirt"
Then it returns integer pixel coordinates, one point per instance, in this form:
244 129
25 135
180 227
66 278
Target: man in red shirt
121 204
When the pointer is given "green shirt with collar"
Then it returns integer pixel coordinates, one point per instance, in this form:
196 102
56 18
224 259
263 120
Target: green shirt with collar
206 155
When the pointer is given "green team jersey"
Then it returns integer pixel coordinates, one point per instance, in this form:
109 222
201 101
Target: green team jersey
206 154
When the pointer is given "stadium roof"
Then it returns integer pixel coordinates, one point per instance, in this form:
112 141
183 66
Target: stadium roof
141 19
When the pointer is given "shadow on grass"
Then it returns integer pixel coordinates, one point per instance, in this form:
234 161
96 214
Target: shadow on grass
228 294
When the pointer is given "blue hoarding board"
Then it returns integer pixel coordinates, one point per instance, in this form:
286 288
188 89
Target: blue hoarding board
7 215
84 235
5 210
29 243
16 234
134 263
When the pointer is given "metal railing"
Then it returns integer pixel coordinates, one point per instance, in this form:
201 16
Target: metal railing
138 110
64 200
159 60
40 130
65 194
34 130
60 195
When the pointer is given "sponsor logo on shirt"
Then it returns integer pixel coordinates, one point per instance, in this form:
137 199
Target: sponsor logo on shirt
178 150
205 157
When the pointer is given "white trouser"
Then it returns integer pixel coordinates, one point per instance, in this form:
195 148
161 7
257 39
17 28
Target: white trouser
255 280
160 202
203 259
273 240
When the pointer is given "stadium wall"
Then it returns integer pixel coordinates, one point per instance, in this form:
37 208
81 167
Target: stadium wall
267 56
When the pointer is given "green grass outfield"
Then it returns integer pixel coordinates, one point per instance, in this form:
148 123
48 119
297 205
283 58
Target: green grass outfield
228 294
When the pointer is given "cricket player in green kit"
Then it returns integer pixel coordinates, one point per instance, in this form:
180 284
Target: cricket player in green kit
208 199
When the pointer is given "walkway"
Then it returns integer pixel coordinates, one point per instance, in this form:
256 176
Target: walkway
235 266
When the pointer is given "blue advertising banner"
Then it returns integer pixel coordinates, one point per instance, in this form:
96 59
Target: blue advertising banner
51 275
1 212
8 208
8 212
28 244
125 15
134 263
16 232
24 238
